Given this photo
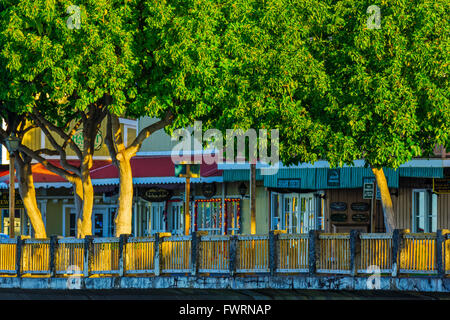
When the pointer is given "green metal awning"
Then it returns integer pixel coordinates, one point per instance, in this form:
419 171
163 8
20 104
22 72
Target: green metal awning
420 172
240 175
326 178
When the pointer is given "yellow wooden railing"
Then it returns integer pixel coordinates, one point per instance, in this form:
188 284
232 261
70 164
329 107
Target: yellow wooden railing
8 256
105 256
285 253
214 254
252 253
418 253
139 257
69 258
292 253
334 255
376 250
176 254
36 256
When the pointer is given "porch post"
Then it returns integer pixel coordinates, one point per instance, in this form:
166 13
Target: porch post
88 253
313 251
53 248
440 254
19 243
123 239
355 251
397 243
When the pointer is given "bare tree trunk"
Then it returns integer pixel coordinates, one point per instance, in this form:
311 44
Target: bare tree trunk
125 211
88 203
28 194
78 200
121 157
386 201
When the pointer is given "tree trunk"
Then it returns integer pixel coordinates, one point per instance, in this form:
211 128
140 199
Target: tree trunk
125 211
88 204
386 201
78 200
28 194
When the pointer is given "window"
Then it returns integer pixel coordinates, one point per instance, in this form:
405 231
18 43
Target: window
294 212
72 224
424 208
157 217
209 216
176 218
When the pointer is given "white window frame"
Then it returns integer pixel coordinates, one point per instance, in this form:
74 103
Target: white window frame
431 204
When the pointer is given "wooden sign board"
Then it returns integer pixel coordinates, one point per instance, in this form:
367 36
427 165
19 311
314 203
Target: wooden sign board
289 183
4 201
441 186
180 170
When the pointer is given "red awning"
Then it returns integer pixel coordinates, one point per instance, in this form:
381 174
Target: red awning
151 166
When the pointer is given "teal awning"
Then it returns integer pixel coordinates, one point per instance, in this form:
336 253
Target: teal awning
325 178
240 175
418 172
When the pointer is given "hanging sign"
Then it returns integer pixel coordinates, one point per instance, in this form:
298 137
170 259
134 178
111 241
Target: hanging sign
441 186
338 206
288 183
360 217
156 194
4 201
338 217
78 138
333 178
209 190
368 188
180 170
360 206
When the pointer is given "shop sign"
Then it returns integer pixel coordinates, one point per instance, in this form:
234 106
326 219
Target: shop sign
338 206
4 201
156 194
441 186
289 183
360 206
78 138
360 217
333 178
338 217
209 190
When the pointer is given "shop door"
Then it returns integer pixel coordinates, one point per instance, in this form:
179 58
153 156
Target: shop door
100 223
291 218
157 219
307 211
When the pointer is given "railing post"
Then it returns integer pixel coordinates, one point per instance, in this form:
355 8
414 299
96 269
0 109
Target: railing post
273 252
53 248
355 251
397 243
440 254
313 250
88 248
19 244
233 254
194 252
156 258
123 239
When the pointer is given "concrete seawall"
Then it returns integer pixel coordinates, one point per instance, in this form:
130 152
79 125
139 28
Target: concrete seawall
417 284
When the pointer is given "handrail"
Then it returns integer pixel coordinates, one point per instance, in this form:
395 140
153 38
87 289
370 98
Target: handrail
342 253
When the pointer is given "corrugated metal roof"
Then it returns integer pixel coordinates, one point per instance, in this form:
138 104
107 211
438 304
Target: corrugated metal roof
240 175
418 172
317 178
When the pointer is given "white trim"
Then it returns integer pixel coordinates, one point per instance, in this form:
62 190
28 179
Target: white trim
42 140
169 153
128 122
423 163
76 158
4 151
